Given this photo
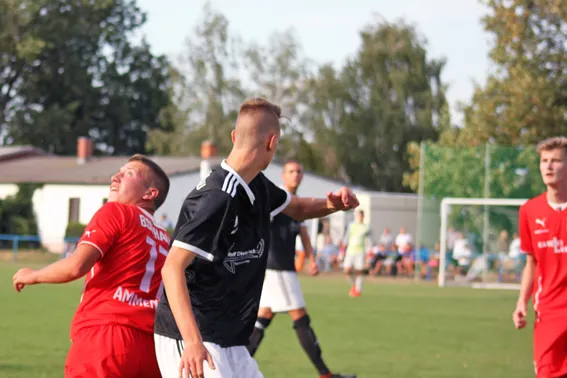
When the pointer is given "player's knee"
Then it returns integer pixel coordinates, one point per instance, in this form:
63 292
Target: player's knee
297 313
303 322
307 336
265 312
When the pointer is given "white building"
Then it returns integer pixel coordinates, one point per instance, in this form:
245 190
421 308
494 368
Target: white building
75 187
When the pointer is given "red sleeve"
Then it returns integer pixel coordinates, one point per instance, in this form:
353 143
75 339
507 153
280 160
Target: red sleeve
105 227
524 230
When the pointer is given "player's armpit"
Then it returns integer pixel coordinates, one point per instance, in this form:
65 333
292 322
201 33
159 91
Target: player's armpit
192 250
179 257
72 267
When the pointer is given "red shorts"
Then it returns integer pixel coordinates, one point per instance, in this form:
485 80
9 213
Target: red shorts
112 351
550 346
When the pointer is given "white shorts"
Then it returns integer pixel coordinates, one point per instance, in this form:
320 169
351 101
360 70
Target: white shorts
232 362
355 262
281 291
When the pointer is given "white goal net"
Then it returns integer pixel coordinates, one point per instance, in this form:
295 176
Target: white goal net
479 244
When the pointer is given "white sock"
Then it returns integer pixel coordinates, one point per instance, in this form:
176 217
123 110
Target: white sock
358 283
352 279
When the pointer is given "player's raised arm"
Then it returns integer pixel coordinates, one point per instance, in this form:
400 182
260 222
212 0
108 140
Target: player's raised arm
99 234
301 208
62 271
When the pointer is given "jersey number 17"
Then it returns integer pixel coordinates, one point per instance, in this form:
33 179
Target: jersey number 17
151 264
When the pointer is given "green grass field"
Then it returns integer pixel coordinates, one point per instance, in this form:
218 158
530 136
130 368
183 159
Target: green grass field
395 330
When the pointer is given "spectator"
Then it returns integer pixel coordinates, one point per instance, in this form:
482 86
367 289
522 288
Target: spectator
514 251
462 254
328 257
386 238
165 223
379 254
452 235
404 243
392 261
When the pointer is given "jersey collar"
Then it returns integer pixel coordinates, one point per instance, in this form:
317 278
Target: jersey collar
229 169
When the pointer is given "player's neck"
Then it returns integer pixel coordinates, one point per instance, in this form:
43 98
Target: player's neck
291 190
147 207
244 164
557 194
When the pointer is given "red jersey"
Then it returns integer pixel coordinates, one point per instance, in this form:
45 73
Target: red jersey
543 234
124 286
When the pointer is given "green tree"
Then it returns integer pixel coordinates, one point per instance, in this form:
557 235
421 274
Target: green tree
522 103
73 70
526 99
279 71
210 93
16 212
17 48
385 97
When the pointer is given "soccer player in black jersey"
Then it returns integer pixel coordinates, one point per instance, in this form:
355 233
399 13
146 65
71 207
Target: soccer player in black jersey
281 291
215 268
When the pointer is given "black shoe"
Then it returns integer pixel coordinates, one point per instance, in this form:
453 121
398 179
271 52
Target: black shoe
342 376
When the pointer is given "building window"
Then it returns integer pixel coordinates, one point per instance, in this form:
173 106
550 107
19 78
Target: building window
74 204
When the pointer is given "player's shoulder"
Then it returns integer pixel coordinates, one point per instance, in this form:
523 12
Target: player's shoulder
124 212
535 204
210 192
263 182
218 180
114 209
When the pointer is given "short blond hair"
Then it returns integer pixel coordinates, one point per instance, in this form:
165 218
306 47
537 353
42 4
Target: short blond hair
259 103
554 143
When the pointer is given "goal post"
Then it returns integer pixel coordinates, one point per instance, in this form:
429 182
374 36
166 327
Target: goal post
505 208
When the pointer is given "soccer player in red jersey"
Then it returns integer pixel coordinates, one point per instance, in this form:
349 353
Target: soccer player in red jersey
123 251
543 236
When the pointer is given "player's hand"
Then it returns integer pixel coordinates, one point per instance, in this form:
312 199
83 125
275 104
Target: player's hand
343 199
313 268
192 360
23 277
519 315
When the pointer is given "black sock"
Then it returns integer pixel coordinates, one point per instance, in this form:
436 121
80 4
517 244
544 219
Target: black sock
310 344
257 335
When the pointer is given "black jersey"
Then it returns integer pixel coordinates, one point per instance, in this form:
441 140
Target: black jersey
284 231
227 224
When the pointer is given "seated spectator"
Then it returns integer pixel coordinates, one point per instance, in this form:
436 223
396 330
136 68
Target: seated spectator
392 262
386 238
407 253
327 258
379 254
462 254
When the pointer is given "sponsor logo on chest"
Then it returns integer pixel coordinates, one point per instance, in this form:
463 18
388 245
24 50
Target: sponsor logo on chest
556 244
236 258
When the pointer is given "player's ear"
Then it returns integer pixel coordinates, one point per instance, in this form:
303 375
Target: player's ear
151 194
273 143
233 135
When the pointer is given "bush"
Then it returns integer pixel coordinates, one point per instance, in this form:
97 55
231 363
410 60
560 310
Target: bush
75 230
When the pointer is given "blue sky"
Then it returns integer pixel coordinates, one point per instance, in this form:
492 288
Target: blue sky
328 30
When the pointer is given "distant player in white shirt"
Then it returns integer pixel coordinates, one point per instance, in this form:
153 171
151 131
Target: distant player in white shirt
358 240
